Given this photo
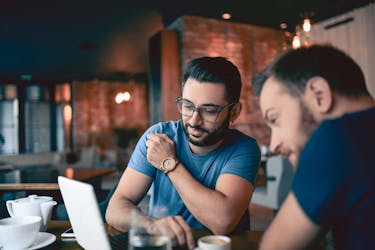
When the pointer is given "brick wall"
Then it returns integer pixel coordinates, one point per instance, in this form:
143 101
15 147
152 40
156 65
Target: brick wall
249 47
95 112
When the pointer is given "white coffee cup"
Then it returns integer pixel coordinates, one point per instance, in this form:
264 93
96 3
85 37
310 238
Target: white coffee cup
18 232
214 242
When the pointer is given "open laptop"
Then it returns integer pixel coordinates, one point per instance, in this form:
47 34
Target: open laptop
85 217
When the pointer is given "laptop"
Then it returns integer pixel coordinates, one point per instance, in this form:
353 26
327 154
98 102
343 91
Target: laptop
85 217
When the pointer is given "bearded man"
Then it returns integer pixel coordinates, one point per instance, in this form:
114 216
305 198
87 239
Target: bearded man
322 118
200 170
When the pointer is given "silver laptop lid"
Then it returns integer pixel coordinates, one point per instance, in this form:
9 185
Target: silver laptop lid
84 214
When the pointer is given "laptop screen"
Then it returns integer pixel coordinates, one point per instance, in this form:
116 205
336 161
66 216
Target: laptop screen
84 214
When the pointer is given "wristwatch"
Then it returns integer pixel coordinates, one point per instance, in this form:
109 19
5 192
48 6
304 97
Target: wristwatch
169 164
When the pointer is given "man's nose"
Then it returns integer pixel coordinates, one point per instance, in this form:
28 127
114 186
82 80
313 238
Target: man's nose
196 118
275 143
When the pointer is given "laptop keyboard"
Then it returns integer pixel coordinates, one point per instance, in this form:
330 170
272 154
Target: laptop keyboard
119 241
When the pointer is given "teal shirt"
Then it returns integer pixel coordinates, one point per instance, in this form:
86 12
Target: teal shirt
239 154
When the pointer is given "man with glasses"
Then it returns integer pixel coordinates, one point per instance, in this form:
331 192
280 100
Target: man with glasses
201 171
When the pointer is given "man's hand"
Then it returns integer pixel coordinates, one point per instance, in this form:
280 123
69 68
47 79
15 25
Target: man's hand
159 147
176 228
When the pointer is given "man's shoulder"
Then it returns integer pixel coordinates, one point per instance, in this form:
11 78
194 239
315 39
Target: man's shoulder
350 122
162 127
239 135
335 136
235 136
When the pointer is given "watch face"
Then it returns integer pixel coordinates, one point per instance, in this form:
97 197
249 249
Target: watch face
169 164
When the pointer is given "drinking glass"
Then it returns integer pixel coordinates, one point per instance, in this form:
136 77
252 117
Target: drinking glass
141 238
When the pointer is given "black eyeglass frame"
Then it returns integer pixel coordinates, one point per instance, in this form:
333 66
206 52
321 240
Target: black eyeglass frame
180 100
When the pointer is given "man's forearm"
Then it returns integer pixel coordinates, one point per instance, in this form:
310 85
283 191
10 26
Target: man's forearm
286 233
210 207
130 190
118 213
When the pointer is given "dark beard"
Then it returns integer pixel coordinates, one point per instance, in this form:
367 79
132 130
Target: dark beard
211 138
308 123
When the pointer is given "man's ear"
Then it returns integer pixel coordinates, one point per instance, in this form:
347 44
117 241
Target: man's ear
236 110
319 94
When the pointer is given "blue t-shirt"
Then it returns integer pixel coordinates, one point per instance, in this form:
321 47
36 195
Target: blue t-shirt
335 179
239 154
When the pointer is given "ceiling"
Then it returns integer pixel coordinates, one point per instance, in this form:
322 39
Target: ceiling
269 13
64 40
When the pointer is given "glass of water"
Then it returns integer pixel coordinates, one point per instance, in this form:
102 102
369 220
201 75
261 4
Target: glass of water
141 238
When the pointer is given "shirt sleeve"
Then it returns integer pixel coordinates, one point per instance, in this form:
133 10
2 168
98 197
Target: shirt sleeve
138 160
244 160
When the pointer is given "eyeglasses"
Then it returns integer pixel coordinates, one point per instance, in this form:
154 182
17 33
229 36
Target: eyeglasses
208 113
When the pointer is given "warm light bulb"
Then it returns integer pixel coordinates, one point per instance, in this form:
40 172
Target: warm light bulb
126 96
296 42
306 25
226 16
122 97
283 26
118 98
67 113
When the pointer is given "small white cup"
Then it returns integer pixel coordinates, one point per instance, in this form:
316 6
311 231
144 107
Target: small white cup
214 242
18 232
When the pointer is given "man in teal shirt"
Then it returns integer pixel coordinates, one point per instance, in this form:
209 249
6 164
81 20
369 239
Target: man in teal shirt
202 171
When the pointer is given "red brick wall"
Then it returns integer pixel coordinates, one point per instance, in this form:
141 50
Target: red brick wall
249 47
95 112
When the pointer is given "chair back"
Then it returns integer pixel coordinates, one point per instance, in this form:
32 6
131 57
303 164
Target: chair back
280 174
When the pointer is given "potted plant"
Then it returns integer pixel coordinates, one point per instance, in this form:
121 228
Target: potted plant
126 139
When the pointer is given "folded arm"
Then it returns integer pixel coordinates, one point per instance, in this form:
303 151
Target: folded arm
218 209
130 191
221 209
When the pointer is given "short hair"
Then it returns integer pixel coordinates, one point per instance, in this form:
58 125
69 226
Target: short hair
294 68
216 70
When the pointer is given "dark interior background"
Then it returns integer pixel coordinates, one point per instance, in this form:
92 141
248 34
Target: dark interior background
67 40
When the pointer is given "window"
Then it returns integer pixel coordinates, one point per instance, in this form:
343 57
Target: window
32 117
8 119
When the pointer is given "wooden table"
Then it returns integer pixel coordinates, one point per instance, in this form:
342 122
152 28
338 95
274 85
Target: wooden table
247 240
38 183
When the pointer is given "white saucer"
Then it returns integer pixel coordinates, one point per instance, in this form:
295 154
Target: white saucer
42 240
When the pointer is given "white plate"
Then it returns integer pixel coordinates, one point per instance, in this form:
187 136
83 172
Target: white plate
42 240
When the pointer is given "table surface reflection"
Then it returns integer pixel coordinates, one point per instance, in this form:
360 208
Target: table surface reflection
46 178
247 240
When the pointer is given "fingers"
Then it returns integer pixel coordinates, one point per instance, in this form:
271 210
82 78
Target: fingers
148 143
177 229
159 146
153 140
181 231
155 137
159 137
189 239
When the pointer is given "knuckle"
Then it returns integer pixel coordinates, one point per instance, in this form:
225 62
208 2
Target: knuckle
179 218
148 156
180 231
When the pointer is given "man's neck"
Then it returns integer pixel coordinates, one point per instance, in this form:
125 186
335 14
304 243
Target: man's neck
202 150
345 106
